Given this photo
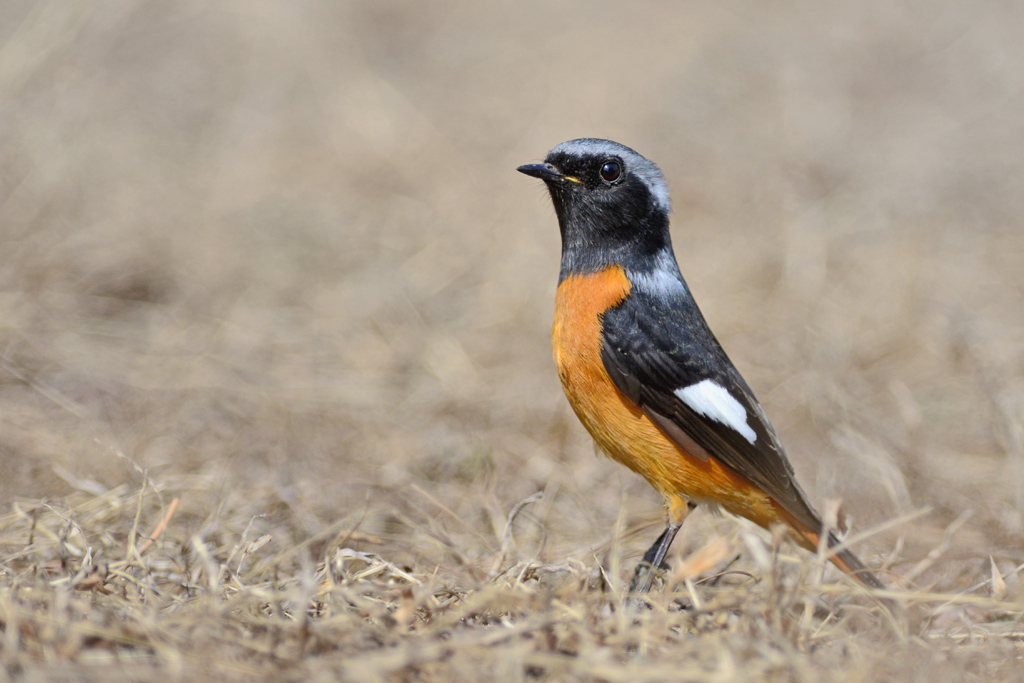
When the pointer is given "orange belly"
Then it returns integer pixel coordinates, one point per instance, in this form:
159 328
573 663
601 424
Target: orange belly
619 427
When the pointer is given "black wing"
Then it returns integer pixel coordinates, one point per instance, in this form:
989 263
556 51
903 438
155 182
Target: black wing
670 347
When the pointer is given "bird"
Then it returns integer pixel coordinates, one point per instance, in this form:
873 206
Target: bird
643 371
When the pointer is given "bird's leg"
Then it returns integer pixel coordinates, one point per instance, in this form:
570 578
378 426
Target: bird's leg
654 558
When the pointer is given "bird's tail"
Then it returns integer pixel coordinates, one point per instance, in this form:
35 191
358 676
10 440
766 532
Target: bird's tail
844 559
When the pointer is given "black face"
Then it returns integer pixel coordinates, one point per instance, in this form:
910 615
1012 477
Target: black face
593 171
602 207
612 205
601 183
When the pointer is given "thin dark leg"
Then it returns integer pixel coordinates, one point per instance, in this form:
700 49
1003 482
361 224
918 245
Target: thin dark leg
654 558
653 551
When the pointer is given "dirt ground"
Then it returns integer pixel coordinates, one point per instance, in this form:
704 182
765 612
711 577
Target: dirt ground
276 389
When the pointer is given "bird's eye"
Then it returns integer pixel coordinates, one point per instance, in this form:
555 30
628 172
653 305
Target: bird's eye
611 171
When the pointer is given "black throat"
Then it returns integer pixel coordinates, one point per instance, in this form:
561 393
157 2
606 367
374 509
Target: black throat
596 236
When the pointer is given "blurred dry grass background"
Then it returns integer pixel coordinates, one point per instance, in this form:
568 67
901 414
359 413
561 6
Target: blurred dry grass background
267 274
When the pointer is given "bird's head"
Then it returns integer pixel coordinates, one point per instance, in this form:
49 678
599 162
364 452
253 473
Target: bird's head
610 201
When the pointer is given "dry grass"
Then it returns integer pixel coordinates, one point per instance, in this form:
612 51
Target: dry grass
275 392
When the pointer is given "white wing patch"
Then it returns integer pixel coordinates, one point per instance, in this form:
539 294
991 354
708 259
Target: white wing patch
715 402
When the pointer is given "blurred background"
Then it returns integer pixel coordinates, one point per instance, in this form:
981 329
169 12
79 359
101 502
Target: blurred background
281 248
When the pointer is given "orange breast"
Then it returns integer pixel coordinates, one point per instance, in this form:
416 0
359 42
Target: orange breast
619 427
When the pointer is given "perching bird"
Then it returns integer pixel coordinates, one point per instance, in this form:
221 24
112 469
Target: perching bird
640 366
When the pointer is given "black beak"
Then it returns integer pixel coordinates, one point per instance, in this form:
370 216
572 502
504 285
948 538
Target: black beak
546 172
